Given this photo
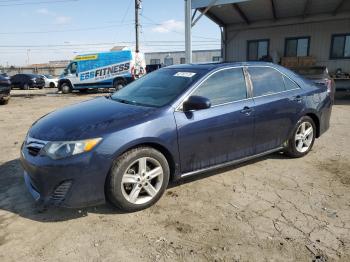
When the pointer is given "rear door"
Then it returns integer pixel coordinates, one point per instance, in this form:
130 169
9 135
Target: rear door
221 133
278 104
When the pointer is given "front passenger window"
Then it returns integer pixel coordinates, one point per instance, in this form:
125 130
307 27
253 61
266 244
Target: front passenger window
222 87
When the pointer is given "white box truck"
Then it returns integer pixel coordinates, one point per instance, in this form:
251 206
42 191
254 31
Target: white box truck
113 69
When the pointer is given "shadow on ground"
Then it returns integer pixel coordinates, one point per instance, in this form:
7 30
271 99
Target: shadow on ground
15 198
342 98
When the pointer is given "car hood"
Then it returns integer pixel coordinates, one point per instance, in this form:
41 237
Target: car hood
90 119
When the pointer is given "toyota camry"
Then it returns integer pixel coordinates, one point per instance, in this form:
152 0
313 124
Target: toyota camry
173 123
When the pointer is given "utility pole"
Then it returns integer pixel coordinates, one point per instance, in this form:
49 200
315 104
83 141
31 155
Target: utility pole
137 24
28 55
188 29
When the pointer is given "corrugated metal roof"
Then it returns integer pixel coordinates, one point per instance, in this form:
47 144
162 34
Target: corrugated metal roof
260 10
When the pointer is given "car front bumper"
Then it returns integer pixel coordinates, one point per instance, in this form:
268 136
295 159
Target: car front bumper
74 182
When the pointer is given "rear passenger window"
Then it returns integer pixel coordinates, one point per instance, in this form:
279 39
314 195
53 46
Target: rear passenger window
223 87
266 81
289 84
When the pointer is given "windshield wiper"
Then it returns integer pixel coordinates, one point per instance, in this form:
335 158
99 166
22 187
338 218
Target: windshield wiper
122 101
128 102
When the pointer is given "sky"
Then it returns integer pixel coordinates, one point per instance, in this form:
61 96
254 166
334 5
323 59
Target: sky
46 30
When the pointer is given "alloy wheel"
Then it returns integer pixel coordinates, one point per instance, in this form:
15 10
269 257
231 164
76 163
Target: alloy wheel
142 180
304 137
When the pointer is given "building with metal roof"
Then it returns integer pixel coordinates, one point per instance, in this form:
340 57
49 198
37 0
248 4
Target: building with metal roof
294 33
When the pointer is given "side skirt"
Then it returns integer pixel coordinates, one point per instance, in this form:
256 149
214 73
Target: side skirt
234 162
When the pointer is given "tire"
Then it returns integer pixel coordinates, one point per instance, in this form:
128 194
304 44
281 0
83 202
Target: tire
301 142
52 85
41 87
128 187
4 101
66 88
118 84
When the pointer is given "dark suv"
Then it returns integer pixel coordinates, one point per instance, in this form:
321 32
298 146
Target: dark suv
5 89
27 81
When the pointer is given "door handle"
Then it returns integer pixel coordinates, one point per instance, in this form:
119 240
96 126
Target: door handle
247 110
297 98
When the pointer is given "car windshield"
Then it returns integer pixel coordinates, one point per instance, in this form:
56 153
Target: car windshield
158 88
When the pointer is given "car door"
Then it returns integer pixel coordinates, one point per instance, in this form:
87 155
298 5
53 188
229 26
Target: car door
222 133
277 106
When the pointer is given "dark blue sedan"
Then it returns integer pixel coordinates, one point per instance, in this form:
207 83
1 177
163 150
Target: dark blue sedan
175 122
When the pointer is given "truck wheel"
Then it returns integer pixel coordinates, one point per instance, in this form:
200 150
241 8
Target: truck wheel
118 84
66 88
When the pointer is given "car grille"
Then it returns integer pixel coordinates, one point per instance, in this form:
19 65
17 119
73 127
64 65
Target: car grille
60 193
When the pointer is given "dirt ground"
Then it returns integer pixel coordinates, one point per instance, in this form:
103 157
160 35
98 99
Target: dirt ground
270 209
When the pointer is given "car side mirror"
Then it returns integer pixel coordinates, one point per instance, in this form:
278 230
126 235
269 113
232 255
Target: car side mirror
196 103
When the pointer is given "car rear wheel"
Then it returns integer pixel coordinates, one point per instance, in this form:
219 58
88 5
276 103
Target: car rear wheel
138 179
52 85
303 138
66 88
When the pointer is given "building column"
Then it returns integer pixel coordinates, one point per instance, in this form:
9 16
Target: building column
188 31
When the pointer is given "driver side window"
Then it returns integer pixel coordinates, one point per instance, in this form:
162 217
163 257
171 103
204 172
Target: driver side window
72 68
222 87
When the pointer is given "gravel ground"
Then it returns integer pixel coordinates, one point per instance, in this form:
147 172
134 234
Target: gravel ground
270 209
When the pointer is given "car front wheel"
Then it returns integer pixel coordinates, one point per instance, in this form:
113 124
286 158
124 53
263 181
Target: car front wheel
138 179
66 89
303 138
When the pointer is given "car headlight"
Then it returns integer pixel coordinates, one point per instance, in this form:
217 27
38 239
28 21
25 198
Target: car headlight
59 150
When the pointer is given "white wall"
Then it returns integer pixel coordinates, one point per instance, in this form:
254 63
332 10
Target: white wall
320 33
198 56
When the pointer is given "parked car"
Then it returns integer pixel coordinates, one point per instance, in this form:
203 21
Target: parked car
50 81
5 75
319 75
27 81
5 89
176 122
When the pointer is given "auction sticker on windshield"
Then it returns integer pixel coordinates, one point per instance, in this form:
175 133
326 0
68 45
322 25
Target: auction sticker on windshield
185 74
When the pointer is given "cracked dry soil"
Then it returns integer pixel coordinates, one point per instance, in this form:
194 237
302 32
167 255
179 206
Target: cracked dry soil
269 209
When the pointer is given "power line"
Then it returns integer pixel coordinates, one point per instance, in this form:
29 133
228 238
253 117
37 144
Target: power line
104 43
127 11
66 30
176 32
37 3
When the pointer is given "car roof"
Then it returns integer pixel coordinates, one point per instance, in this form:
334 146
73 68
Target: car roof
212 66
